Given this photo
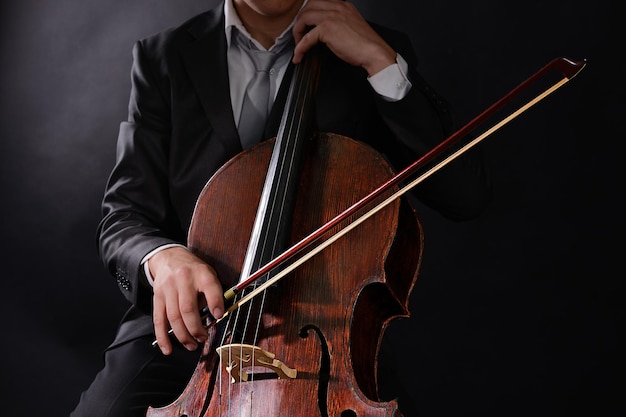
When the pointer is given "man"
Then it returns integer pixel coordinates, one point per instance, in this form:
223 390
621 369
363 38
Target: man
185 121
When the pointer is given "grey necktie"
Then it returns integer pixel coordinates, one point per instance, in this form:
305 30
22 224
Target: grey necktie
256 100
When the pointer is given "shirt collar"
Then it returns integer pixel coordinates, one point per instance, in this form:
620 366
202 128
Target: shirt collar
232 20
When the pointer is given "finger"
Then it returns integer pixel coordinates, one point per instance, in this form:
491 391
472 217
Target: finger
190 315
334 23
213 294
161 326
317 12
309 17
306 42
176 321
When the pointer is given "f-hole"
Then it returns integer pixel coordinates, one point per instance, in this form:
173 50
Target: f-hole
324 371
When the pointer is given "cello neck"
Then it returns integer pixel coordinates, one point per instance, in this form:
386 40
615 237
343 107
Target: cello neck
270 235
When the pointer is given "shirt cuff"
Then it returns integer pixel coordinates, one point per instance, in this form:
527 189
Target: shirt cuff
145 259
392 82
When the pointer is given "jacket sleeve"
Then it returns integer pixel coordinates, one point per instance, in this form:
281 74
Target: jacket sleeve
136 210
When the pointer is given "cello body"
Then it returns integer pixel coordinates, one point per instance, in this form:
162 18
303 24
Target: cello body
309 345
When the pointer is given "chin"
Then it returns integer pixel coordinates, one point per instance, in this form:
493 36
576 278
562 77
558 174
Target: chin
274 8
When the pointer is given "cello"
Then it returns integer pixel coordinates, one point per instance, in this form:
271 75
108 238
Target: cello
303 339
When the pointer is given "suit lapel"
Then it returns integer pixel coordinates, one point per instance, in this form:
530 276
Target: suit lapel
205 61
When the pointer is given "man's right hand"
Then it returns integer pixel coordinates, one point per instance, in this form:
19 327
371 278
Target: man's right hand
183 284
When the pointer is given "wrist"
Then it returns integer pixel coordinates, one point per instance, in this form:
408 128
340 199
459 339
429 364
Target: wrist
380 60
146 260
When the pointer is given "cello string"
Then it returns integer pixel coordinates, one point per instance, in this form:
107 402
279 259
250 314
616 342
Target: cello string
288 139
261 248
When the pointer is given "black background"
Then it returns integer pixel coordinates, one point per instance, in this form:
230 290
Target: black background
520 312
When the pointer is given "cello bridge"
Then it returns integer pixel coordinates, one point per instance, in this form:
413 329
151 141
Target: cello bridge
237 356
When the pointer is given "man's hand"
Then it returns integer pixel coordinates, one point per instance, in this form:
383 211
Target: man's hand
183 284
341 27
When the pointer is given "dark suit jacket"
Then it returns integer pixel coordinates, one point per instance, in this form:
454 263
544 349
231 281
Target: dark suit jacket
181 130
